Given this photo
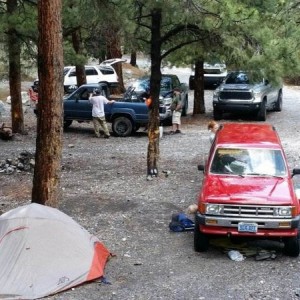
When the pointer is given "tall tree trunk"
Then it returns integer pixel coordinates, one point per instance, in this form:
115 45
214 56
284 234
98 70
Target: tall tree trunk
133 58
155 78
14 57
199 104
113 50
46 179
78 47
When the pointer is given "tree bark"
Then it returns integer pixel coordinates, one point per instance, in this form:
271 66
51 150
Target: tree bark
113 50
78 47
199 104
47 170
133 58
155 78
14 57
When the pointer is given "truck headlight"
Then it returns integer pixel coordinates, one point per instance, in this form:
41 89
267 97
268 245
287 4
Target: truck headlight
216 95
167 101
284 211
256 97
214 209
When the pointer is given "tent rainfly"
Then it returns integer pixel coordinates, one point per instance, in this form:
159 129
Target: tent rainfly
43 251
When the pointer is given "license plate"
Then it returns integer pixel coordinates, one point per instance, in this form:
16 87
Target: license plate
247 227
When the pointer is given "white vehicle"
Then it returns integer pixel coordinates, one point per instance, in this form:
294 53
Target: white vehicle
214 74
94 74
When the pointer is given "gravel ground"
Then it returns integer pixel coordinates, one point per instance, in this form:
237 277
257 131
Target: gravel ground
105 190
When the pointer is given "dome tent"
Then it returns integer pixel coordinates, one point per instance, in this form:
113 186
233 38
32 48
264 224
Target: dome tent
44 251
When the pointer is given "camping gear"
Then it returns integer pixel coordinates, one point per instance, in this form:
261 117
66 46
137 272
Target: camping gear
180 222
44 251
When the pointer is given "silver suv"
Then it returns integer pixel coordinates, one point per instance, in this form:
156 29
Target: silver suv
239 93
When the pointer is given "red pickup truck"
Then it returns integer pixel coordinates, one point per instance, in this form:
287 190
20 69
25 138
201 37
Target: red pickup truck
247 189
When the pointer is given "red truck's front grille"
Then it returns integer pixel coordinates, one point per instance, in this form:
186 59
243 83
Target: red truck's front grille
248 211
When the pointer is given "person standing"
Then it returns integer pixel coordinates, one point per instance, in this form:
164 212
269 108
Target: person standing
98 114
212 126
176 108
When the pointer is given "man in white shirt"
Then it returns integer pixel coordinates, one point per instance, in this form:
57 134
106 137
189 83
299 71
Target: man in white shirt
98 102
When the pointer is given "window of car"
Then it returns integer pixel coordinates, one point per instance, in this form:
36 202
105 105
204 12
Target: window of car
237 78
72 73
165 84
90 71
141 85
66 70
106 70
176 83
237 161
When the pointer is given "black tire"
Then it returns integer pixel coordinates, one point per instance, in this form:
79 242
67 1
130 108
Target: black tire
185 107
278 104
67 123
262 113
217 114
292 246
201 240
122 126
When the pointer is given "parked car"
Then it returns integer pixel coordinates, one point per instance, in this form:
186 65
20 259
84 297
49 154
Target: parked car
214 74
126 115
168 83
240 93
94 74
247 189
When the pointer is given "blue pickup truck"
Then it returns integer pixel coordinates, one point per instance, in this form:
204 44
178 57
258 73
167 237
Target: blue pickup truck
126 115
167 85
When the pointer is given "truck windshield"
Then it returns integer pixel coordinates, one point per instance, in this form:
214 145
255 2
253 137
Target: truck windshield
258 162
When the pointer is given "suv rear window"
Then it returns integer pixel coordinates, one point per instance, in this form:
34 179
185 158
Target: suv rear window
106 70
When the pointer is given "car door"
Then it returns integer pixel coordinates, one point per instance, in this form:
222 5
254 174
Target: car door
271 93
70 77
92 75
77 105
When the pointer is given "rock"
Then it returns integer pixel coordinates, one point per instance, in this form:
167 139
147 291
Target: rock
6 132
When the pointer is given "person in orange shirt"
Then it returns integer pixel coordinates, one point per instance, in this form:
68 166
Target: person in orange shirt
33 94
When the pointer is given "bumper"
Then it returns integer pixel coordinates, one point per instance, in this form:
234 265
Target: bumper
165 115
236 106
278 227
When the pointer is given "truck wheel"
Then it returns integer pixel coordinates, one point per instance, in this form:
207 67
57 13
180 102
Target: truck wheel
67 123
278 104
185 107
122 126
262 113
201 240
217 114
292 246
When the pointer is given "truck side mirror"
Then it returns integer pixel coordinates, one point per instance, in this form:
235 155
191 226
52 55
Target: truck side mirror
201 167
295 171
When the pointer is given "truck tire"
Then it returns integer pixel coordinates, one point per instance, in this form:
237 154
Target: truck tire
201 240
278 104
122 126
217 114
262 113
292 246
67 123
